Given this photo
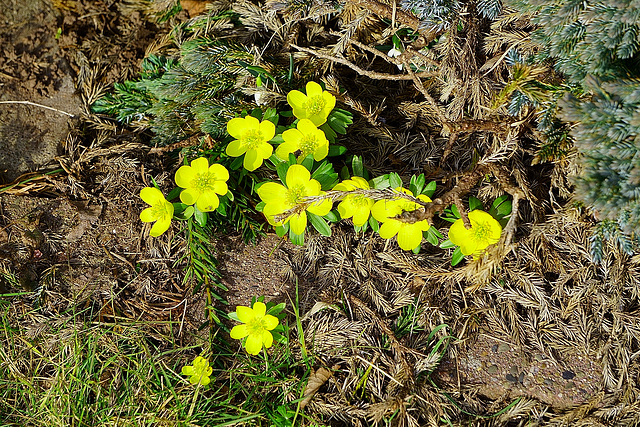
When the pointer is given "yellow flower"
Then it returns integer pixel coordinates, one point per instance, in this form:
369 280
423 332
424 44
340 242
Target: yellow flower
199 372
202 183
252 140
257 325
355 205
307 138
279 198
409 234
315 105
161 211
485 230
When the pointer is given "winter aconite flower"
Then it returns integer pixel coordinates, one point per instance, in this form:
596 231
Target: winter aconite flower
279 198
307 138
161 211
199 372
257 325
409 233
251 139
202 184
315 105
485 230
357 206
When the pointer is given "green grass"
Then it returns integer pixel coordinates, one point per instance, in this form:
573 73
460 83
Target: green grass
71 371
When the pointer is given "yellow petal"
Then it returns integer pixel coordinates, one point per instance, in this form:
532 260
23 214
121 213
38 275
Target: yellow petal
313 89
219 172
382 210
259 309
284 149
185 176
187 370
322 208
189 196
293 137
239 331
253 344
152 196
298 222
264 150
271 192
251 160
220 187
361 216
200 165
297 100
245 314
321 152
389 229
409 237
306 126
236 148
204 380
267 339
346 208
236 127
148 215
208 201
297 175
329 103
270 322
360 182
312 188
268 129
161 225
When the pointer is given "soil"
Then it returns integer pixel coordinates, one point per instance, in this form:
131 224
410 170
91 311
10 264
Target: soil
83 231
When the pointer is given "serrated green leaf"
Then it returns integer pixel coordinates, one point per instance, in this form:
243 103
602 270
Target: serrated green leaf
319 224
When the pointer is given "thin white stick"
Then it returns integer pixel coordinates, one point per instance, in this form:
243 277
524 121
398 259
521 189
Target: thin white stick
37 105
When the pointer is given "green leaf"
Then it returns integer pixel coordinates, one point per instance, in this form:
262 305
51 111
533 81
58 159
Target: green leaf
272 115
432 235
416 250
474 203
357 166
394 180
416 185
257 113
200 217
237 163
381 181
329 133
281 230
457 257
185 213
296 239
174 193
429 189
375 225
454 211
276 309
447 244
233 316
337 125
332 216
501 207
282 169
336 150
319 224
307 162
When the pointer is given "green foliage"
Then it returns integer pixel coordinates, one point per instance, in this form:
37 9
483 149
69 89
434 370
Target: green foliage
595 44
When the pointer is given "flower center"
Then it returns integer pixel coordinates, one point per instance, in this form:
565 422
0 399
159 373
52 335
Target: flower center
359 200
256 326
314 104
252 138
308 144
296 194
160 210
204 181
482 231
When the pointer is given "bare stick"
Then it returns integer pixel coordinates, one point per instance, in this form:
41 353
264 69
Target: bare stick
37 105
371 74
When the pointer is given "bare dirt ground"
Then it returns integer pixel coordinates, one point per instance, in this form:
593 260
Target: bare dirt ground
77 229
